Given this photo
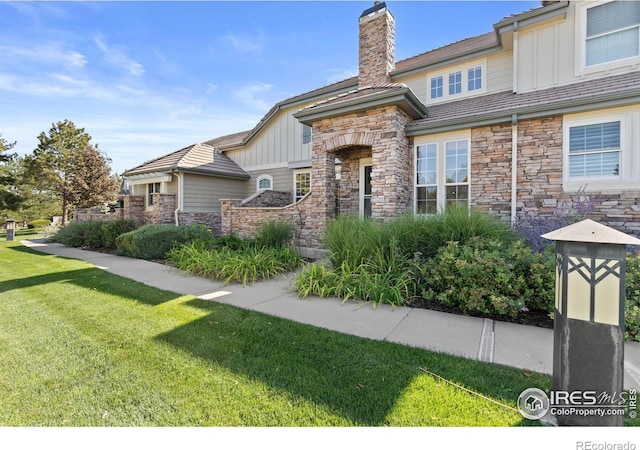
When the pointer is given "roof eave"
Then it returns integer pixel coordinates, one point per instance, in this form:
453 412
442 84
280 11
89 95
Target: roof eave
459 57
403 98
525 113
531 17
245 176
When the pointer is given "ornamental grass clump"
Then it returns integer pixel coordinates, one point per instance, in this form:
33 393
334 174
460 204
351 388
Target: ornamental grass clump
234 260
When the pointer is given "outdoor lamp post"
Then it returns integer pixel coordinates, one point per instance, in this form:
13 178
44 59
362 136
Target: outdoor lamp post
588 348
11 229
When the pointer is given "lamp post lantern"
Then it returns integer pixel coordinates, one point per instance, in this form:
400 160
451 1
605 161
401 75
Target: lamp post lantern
11 229
588 348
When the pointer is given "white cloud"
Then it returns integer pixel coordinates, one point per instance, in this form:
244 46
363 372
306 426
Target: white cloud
246 43
47 52
117 57
249 95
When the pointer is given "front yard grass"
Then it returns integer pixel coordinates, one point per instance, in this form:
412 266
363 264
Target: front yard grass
82 347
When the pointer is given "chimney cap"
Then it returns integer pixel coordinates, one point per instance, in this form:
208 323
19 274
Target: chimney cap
377 6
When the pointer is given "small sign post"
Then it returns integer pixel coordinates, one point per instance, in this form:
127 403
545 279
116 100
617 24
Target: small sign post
588 347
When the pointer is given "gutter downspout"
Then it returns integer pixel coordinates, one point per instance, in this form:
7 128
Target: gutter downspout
180 197
514 167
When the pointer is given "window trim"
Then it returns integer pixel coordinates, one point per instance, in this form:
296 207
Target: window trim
262 178
581 45
295 183
439 88
455 84
624 159
441 174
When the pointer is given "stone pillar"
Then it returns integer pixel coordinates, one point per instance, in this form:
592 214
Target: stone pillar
323 174
392 172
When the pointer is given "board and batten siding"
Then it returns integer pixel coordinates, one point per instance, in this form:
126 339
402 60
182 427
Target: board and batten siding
278 143
203 193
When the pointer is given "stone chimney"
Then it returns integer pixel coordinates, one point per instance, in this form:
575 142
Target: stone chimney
377 45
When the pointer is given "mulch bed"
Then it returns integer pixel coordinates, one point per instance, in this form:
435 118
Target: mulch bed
532 317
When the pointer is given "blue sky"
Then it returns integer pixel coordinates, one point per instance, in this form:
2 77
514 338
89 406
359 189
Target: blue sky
148 78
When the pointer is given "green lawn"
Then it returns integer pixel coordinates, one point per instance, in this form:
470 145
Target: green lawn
81 347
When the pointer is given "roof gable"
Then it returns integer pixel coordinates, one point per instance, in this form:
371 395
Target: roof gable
197 158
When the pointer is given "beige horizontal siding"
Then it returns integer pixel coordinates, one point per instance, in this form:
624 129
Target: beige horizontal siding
202 193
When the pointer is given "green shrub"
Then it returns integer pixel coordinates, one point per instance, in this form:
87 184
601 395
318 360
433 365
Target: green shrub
245 265
109 231
154 241
39 223
274 234
93 234
632 304
490 277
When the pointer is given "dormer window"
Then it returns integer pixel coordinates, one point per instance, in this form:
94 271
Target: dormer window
436 87
474 78
612 32
455 83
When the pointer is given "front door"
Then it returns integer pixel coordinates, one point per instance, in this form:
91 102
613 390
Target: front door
365 187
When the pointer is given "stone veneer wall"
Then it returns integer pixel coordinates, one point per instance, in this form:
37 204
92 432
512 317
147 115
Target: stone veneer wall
133 208
163 210
90 215
540 189
268 198
246 221
211 220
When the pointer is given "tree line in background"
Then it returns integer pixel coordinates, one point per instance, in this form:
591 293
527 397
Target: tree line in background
65 171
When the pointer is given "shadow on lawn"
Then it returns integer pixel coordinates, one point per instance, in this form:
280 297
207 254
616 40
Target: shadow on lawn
89 278
358 378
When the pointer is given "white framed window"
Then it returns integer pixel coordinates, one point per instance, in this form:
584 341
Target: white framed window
152 188
612 32
455 83
594 151
456 183
264 182
301 184
437 87
442 175
306 134
474 78
426 179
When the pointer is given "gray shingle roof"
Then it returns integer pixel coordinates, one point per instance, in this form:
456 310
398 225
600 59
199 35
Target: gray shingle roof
582 96
202 158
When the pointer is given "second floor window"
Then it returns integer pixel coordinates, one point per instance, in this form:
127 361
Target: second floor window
612 32
436 87
455 83
474 78
306 134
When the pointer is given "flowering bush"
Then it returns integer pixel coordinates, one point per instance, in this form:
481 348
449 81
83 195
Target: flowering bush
632 305
490 277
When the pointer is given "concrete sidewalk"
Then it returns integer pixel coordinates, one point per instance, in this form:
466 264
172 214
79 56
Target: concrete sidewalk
519 346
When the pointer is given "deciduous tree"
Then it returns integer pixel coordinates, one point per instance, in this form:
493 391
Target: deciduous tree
65 162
